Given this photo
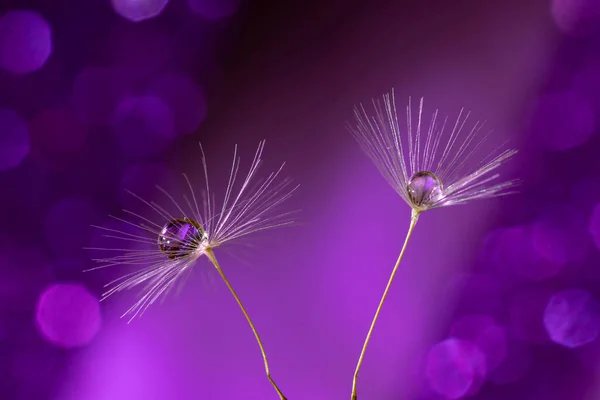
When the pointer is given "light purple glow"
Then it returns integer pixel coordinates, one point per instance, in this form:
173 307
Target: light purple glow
214 9
578 17
68 315
14 140
487 334
144 126
453 367
25 41
572 318
139 10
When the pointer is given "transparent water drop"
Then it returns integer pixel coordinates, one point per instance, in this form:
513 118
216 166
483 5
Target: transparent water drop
424 188
180 237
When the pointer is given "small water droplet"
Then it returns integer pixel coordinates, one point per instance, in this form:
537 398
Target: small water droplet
424 189
180 237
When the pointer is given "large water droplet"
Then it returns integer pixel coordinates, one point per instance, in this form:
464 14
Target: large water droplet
180 237
424 189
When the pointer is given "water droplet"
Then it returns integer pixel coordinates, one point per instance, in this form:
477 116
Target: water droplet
424 189
180 237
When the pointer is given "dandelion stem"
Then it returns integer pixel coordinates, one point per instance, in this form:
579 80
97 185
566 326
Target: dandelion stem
413 222
211 256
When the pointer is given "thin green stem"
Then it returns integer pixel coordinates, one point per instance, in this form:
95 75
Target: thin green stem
413 223
211 256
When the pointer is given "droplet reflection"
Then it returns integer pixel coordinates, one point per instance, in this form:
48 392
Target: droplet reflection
180 237
424 189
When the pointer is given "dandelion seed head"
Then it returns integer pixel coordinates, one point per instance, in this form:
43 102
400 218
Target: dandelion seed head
167 241
416 156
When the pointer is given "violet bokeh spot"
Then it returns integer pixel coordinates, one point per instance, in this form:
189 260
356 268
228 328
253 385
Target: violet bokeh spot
453 367
139 10
572 318
563 120
185 98
97 91
144 126
14 140
68 315
577 17
560 235
489 336
214 9
67 225
25 41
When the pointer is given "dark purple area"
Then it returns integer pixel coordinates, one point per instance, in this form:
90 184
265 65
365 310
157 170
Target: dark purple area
494 300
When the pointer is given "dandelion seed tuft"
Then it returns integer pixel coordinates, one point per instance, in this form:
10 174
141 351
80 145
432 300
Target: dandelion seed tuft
416 157
168 241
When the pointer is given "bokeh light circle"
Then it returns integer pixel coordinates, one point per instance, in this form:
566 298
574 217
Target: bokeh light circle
25 41
453 367
139 10
14 139
68 315
489 336
144 126
572 318
577 17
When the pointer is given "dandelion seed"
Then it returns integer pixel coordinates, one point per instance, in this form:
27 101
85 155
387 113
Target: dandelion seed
177 235
424 172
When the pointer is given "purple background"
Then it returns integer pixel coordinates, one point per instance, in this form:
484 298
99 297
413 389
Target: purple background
494 300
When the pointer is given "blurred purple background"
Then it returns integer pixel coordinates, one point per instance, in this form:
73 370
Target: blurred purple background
495 300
